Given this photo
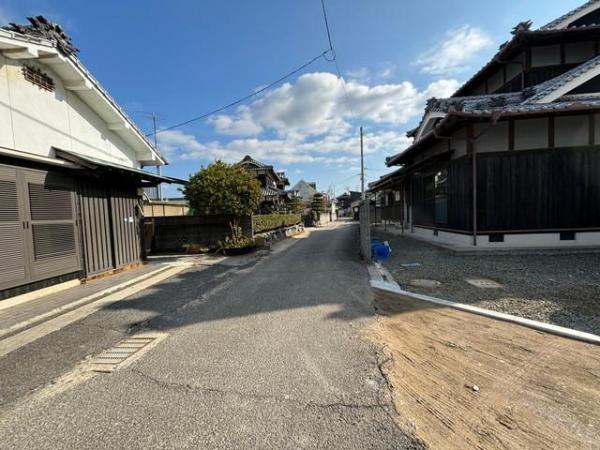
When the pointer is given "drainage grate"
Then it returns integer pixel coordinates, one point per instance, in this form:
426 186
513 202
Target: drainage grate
125 351
483 283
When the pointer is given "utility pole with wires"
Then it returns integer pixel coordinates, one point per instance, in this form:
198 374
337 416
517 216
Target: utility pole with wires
158 170
362 166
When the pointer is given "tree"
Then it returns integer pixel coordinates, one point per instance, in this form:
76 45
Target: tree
317 205
225 189
297 206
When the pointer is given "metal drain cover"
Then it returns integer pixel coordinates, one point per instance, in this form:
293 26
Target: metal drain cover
125 351
483 283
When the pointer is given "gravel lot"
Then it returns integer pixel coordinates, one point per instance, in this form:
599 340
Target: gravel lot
558 289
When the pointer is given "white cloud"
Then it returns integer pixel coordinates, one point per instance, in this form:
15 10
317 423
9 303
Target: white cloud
366 75
455 51
317 104
330 150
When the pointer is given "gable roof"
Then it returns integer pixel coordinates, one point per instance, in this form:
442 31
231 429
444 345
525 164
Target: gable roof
556 87
47 46
522 37
572 15
247 161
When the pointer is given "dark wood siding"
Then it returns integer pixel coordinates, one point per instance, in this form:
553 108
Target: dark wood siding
545 190
460 190
422 209
125 211
96 227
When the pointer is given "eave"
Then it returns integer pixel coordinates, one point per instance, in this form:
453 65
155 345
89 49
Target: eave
77 79
456 118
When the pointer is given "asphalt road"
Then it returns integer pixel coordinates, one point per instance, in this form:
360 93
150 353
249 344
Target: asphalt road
264 356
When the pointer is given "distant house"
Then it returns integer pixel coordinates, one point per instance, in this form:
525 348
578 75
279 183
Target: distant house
305 190
344 203
71 178
273 184
513 157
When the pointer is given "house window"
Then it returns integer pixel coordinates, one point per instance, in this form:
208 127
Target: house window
441 197
39 78
397 196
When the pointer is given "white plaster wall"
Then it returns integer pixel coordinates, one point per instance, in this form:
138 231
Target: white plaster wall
531 133
496 81
440 146
547 55
34 120
495 139
524 240
443 236
571 131
542 240
514 69
6 135
597 128
579 51
459 145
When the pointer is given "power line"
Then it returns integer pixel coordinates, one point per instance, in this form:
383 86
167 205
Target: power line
243 99
327 25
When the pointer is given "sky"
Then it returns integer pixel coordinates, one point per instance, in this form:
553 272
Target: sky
180 59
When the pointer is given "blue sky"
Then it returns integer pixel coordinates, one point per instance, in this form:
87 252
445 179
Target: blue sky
180 59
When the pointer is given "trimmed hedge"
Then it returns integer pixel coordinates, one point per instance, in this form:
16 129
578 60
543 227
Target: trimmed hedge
268 222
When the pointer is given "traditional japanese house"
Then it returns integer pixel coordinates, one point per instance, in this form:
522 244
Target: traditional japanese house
344 203
513 157
273 184
305 190
71 177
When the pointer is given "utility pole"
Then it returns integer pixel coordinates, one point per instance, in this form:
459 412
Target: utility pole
362 166
158 187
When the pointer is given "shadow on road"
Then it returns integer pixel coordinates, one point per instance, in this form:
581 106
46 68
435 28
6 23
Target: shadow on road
324 269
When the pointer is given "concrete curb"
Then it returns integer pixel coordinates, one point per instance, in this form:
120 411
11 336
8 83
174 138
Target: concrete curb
21 326
391 287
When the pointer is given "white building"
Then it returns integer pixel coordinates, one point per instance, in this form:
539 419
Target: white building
70 165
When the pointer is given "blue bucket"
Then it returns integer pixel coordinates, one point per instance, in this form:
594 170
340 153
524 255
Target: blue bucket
380 251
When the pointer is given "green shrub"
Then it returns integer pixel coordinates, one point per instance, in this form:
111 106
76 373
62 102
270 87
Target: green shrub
268 222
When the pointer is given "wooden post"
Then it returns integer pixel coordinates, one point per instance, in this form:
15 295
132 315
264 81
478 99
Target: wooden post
471 144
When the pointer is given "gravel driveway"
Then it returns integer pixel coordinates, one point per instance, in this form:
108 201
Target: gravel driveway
558 289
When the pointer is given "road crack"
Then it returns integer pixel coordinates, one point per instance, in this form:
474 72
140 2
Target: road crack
261 397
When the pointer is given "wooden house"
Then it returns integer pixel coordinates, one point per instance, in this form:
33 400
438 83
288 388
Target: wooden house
513 157
273 184
71 162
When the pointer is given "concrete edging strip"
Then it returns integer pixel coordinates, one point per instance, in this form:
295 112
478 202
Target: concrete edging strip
18 327
32 334
39 293
393 288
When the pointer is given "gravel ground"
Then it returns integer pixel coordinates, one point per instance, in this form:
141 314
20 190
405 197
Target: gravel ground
559 289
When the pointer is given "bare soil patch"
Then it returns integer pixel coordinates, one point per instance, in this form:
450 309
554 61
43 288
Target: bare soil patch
466 381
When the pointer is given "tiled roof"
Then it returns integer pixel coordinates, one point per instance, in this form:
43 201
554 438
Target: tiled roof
555 22
547 87
249 159
270 191
507 49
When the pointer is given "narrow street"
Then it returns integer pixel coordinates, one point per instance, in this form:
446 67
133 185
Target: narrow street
270 355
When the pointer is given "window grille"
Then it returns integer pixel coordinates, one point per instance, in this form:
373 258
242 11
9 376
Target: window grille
39 78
